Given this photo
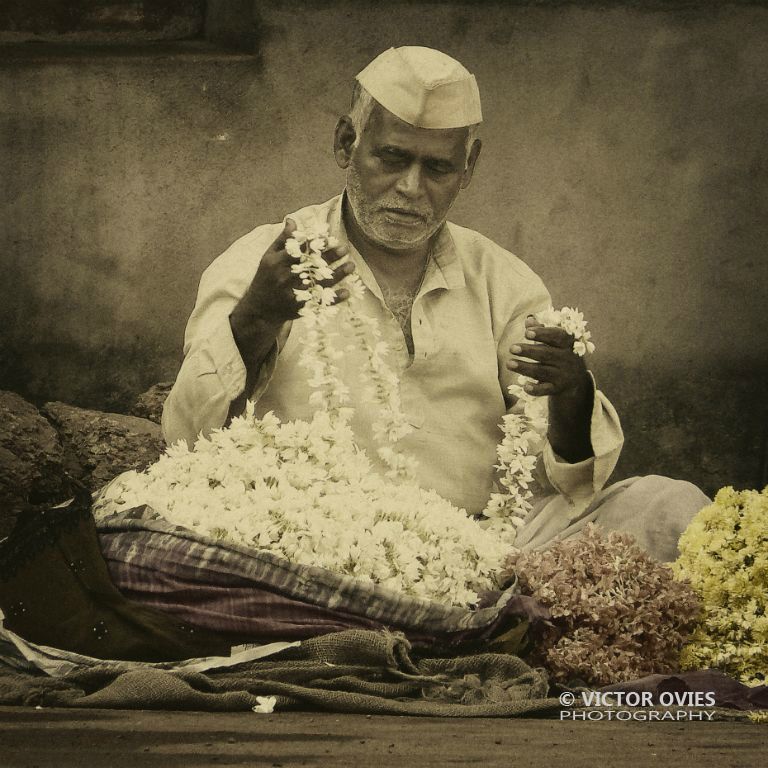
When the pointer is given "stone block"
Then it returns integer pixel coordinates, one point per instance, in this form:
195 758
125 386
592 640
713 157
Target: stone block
98 446
31 460
149 404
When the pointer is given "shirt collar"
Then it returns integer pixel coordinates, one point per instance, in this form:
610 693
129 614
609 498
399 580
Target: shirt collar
446 258
443 271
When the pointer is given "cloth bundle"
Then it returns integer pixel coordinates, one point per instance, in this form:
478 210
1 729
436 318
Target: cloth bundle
354 671
251 596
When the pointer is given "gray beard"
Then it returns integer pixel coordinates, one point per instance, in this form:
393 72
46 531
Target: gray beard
363 216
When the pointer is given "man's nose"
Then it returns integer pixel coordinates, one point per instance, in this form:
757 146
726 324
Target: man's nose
410 181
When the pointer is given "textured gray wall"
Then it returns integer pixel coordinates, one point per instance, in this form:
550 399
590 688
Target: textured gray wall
625 160
102 21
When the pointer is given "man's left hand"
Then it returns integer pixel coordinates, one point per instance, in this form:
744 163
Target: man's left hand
556 371
552 364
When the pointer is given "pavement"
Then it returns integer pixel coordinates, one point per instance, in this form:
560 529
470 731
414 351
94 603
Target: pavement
44 738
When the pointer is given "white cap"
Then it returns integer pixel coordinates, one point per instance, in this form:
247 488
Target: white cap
423 87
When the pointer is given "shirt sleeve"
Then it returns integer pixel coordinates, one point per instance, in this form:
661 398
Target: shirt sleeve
213 373
579 481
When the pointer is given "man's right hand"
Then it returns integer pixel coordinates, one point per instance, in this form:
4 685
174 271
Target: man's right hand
270 299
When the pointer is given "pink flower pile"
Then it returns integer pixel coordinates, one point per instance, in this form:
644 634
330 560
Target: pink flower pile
617 614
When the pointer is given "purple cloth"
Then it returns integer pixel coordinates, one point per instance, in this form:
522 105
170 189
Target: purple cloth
728 692
251 595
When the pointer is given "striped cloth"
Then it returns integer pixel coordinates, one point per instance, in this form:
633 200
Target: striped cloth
257 596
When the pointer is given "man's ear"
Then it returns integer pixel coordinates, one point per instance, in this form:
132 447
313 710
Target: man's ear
343 141
474 153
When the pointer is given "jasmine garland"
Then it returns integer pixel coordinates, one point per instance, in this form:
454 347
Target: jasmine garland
524 429
321 349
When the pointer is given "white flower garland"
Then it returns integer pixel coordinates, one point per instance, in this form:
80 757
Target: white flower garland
524 429
380 382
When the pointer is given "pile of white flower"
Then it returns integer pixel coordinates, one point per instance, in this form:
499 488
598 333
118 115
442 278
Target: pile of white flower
306 492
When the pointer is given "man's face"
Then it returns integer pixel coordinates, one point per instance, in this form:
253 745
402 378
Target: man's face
402 180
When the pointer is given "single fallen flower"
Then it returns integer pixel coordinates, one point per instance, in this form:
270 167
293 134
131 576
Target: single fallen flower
266 705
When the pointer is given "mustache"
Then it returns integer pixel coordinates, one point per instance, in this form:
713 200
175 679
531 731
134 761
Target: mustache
405 208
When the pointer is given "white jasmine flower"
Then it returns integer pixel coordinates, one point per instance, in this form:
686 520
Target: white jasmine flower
317 244
302 294
266 704
293 248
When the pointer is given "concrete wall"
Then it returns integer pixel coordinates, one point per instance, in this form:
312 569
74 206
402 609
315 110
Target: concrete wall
625 160
100 21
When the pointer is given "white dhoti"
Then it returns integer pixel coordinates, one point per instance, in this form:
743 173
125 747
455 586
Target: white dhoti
654 509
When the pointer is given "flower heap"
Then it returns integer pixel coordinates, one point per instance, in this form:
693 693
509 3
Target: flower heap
724 553
524 428
617 614
304 491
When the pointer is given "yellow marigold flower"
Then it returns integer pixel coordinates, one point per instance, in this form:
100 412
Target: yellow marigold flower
724 554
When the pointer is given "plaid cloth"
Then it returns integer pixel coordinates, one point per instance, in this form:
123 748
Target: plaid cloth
256 595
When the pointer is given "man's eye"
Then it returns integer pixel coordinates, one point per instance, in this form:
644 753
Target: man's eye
392 159
440 168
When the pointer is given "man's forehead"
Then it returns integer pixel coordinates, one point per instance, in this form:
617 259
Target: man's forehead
384 128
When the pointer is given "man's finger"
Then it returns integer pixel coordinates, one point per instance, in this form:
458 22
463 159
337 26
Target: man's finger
555 337
539 388
347 268
332 255
288 230
342 294
537 371
540 352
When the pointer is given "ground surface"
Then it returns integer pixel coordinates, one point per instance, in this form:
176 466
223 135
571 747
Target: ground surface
113 739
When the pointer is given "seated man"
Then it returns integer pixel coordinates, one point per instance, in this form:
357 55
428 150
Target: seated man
455 308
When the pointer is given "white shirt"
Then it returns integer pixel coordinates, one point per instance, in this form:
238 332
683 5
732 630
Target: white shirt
470 309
